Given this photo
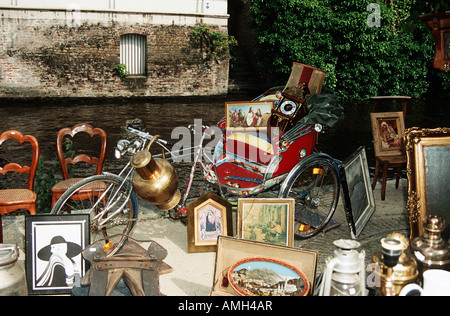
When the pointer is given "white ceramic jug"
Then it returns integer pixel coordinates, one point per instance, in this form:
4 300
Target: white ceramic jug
435 283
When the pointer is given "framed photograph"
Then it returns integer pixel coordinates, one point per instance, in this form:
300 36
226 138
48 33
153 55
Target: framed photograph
387 130
428 169
53 252
209 216
254 115
267 220
357 191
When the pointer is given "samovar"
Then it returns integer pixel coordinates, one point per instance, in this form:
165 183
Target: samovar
430 250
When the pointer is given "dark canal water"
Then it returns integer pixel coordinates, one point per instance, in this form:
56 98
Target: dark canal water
45 119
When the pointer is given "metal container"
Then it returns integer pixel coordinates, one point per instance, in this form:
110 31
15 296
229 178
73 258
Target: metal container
395 270
12 274
430 250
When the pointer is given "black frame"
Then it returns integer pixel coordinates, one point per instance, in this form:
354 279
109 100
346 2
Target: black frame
355 168
72 231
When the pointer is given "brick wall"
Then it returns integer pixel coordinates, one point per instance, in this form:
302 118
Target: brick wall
49 54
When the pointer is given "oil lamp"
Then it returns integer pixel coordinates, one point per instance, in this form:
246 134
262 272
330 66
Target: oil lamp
396 268
345 273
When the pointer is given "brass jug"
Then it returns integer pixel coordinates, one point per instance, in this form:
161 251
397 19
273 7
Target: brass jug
156 180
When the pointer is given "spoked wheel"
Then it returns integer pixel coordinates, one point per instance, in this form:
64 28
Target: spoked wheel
111 205
315 187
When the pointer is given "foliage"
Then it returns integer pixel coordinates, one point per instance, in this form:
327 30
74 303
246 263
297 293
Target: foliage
213 43
339 36
121 70
45 179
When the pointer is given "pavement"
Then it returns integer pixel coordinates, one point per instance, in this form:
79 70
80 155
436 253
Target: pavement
193 273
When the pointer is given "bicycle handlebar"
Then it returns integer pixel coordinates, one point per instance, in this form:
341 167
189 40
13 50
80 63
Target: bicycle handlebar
149 136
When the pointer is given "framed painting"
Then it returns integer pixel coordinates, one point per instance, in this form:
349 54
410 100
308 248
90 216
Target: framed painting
359 202
428 154
387 130
53 252
253 115
267 220
209 216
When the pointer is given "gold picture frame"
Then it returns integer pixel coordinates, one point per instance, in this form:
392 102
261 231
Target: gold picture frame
428 153
209 216
388 129
267 220
252 115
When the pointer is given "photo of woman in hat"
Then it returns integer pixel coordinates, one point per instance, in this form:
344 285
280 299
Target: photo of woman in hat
61 270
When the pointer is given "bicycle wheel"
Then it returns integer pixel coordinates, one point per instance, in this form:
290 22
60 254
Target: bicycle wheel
111 204
315 187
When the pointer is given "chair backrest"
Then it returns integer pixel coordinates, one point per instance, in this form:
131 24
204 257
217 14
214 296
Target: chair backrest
30 170
86 128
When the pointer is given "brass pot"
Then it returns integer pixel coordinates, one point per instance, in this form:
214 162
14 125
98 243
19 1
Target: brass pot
156 180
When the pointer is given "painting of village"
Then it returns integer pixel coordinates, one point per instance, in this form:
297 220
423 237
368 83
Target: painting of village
266 278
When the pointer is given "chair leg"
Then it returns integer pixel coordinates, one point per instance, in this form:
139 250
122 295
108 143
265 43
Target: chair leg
1 230
397 180
375 176
383 185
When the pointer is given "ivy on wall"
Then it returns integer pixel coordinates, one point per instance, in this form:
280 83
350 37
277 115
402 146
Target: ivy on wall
368 47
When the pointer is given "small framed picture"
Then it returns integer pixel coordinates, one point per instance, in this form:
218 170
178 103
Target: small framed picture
209 216
359 202
254 115
53 252
387 130
267 220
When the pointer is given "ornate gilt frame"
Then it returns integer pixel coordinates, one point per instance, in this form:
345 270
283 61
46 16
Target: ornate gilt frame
416 139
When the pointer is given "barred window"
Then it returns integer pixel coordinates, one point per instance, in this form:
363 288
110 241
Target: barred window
133 53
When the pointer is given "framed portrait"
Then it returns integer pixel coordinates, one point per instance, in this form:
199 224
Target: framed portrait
357 192
267 220
428 169
388 129
253 115
209 216
53 252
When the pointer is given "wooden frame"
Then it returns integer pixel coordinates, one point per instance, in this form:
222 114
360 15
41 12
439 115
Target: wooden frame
202 232
231 250
428 154
53 252
387 130
267 220
357 191
254 115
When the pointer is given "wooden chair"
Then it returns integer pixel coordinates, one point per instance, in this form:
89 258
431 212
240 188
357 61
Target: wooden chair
12 200
62 186
396 161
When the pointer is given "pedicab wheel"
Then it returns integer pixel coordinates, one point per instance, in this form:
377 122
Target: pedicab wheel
112 207
315 185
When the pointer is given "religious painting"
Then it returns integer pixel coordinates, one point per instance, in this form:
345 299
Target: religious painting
387 130
254 115
357 192
266 220
53 252
208 218
428 168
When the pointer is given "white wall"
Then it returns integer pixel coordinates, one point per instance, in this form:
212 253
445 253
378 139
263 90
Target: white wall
209 7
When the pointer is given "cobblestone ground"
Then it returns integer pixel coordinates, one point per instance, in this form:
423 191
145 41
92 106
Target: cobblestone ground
390 216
